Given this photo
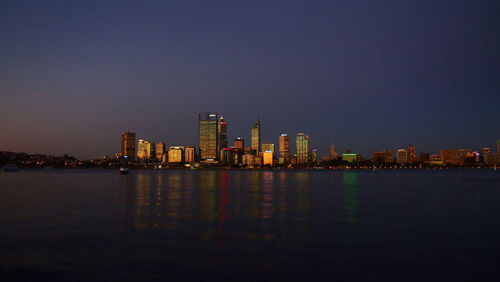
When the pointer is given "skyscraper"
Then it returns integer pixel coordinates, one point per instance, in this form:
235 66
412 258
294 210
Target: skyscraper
145 149
159 150
189 154
255 140
412 154
239 143
207 138
302 142
128 145
266 146
284 149
222 130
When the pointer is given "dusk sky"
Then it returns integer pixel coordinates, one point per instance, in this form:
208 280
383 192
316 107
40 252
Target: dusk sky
370 75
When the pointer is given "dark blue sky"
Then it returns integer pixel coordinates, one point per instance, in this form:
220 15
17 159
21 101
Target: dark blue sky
370 75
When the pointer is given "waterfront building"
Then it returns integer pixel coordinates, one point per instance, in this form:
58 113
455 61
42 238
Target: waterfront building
284 157
424 157
222 137
412 154
267 158
302 143
145 149
159 150
239 143
189 154
266 147
313 155
248 160
350 157
448 156
385 156
255 137
207 138
176 154
402 156
333 155
128 145
227 155
293 160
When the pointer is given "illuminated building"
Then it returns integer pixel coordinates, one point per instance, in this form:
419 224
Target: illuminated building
207 137
412 154
128 145
293 160
189 152
159 150
302 143
448 156
350 157
255 137
176 154
313 155
333 155
227 155
248 159
266 146
402 156
239 143
284 157
145 149
383 156
222 131
267 158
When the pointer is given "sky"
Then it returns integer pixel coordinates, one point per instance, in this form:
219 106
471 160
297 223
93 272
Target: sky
369 75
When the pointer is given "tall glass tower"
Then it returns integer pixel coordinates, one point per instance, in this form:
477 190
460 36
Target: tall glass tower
222 130
128 145
302 142
207 138
255 140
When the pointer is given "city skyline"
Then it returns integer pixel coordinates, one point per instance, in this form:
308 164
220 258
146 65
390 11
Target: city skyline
370 75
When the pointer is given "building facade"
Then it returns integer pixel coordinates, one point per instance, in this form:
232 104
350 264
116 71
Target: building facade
222 138
189 154
145 150
284 157
402 156
255 137
412 154
159 150
128 145
176 154
302 143
207 137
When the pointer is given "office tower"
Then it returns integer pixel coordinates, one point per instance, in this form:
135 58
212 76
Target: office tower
239 143
207 137
159 150
302 142
284 149
255 140
402 156
333 155
176 154
128 145
314 156
189 154
267 147
412 154
145 149
222 130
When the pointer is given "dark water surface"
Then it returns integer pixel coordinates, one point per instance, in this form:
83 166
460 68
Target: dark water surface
95 225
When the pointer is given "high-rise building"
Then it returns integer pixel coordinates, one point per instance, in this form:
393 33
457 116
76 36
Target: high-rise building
333 155
176 154
402 156
302 143
222 130
314 156
207 138
268 147
189 154
412 154
128 145
284 149
239 143
159 150
255 140
267 157
145 149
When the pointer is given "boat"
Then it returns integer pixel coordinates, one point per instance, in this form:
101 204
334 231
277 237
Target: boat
10 168
123 171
